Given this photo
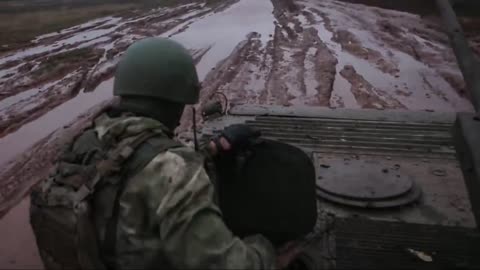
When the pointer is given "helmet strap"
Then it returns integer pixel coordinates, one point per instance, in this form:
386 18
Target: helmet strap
194 123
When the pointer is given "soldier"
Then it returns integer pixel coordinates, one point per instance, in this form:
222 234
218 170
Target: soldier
125 195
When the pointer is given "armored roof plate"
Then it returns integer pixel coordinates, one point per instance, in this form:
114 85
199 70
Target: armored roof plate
414 145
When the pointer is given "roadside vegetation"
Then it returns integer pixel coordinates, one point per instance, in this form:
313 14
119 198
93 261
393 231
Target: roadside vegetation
23 20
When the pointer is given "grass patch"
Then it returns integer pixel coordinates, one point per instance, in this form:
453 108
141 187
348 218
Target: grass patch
21 21
19 28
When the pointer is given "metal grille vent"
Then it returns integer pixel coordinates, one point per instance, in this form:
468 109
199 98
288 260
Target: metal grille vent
369 244
345 135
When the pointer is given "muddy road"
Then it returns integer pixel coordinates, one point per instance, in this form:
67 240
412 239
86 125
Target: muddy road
303 52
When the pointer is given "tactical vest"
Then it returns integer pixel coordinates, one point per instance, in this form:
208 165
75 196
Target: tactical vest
61 211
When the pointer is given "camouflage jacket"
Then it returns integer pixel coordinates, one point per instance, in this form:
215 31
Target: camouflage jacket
167 215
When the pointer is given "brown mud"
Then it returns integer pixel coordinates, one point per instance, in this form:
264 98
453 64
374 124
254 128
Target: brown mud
471 28
366 94
283 77
20 174
49 98
295 64
351 44
328 53
81 63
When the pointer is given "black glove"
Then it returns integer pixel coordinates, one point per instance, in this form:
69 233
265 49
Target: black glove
238 135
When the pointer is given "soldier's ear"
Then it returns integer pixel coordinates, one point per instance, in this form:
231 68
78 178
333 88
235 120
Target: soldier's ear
198 87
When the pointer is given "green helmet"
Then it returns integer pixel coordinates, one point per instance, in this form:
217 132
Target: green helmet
159 68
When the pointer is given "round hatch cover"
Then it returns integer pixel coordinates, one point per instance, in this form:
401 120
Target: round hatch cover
408 198
365 185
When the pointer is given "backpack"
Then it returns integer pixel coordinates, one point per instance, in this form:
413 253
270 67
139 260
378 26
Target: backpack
61 213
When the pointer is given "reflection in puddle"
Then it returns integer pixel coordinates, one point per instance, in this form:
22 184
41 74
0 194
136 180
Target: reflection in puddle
18 246
19 141
425 89
25 95
341 87
224 30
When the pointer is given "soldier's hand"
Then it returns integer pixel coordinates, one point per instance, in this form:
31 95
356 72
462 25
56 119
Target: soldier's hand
286 254
235 137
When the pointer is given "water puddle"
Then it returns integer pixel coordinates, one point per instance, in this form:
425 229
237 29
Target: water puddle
189 18
310 81
302 19
19 141
18 246
7 72
87 36
16 143
224 30
256 83
93 33
342 91
4 104
341 87
417 86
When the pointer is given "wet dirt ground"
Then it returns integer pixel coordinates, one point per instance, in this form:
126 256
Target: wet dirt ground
303 52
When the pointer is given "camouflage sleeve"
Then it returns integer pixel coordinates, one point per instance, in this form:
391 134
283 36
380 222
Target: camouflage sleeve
191 230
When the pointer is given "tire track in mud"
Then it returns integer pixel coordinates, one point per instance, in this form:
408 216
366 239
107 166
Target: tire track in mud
325 67
275 88
36 70
44 101
237 86
293 67
303 68
350 43
367 95
77 66
471 28
433 89
402 46
421 38
19 176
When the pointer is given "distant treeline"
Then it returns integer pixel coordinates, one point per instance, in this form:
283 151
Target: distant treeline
7 6
424 7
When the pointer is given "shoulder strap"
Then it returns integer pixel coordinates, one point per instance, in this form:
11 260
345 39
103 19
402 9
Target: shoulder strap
143 155
113 163
89 253
124 160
